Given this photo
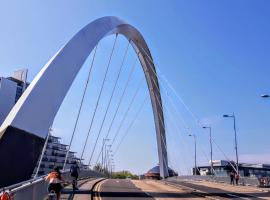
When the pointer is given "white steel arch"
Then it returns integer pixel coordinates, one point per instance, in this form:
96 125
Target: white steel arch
36 109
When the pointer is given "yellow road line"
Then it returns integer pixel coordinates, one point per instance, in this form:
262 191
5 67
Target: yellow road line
98 190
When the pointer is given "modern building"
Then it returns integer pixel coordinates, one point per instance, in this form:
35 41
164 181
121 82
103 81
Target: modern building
11 89
154 173
55 156
223 168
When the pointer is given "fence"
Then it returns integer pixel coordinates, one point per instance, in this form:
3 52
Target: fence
37 188
243 181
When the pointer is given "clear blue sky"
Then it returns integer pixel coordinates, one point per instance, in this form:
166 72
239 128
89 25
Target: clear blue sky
214 53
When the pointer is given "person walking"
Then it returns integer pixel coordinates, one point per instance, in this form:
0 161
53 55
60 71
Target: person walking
74 173
237 177
232 176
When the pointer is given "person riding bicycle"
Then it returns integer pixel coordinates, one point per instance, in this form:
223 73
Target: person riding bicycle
74 173
55 179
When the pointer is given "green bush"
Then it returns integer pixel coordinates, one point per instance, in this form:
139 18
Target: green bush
124 175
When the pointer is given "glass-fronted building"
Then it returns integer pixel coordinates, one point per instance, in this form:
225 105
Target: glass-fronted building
223 168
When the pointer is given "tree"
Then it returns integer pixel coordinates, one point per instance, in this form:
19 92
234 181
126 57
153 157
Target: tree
124 174
98 167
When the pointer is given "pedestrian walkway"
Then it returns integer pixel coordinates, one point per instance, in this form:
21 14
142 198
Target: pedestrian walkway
223 190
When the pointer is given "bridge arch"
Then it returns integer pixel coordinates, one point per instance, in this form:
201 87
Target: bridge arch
28 122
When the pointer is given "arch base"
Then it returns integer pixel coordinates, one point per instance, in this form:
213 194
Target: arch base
19 153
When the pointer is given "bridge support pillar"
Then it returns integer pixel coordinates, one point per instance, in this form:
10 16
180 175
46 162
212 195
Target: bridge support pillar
19 152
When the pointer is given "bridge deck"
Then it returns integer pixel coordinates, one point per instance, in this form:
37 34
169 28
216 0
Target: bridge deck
113 189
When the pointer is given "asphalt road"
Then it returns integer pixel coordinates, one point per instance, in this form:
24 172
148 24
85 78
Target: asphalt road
113 189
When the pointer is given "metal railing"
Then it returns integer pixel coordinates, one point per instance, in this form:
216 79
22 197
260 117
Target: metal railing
252 181
36 189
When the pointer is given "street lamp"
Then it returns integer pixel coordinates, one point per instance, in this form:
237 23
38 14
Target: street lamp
103 155
211 147
107 151
195 153
235 140
265 95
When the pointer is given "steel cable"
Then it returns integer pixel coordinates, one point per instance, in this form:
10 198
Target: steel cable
110 100
180 99
118 105
127 111
131 125
100 92
80 108
92 63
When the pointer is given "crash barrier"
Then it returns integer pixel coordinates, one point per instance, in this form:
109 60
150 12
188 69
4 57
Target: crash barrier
36 188
252 181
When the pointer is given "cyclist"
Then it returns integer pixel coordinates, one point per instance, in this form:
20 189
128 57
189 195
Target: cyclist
5 196
74 173
55 179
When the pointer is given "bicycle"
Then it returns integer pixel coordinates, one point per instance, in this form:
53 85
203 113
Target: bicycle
52 195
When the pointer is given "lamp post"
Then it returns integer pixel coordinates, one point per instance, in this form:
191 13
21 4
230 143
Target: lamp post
235 141
195 153
106 159
103 155
211 147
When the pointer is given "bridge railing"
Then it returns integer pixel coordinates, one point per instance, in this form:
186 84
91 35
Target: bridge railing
253 181
37 188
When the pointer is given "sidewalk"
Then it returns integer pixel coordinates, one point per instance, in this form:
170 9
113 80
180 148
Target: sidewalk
234 189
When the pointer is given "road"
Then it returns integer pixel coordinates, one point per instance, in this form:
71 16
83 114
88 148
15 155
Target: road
113 189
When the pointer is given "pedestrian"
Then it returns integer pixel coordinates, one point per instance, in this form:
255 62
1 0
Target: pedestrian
74 173
237 177
232 176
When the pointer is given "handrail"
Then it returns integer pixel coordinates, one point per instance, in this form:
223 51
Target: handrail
25 184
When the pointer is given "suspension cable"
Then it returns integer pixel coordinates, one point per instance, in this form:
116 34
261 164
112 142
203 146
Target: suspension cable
181 118
158 100
178 130
180 99
131 124
80 108
127 111
110 100
118 105
92 63
170 86
100 92
225 156
185 124
43 152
